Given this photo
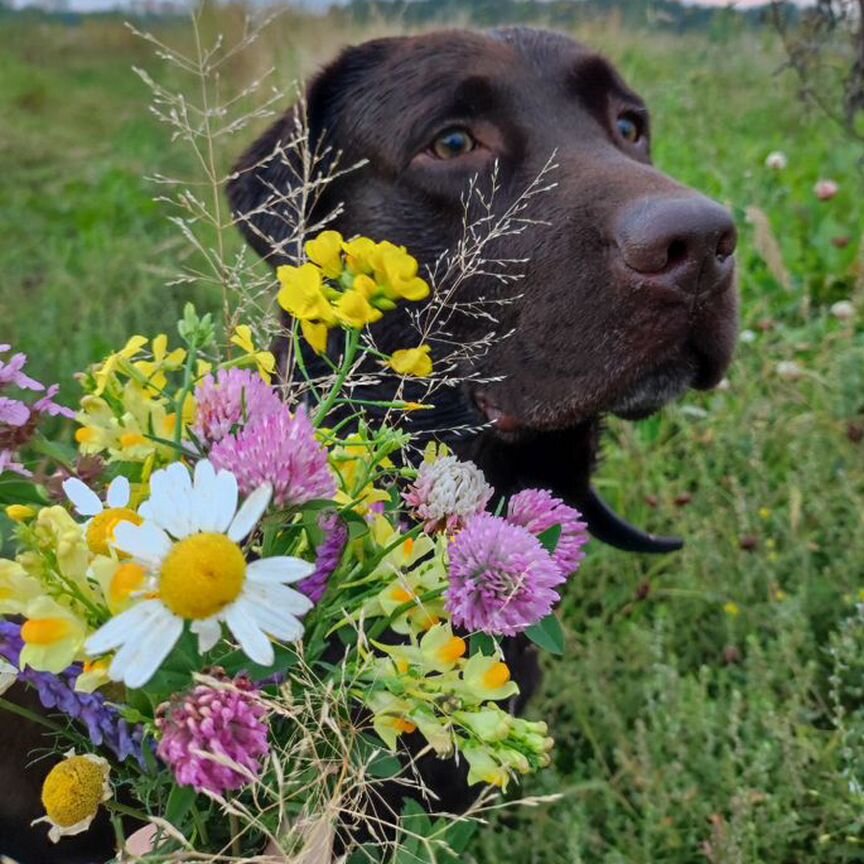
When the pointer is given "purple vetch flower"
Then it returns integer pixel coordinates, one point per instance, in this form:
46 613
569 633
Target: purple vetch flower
502 580
11 372
329 555
104 724
234 398
448 492
214 737
18 420
538 511
279 449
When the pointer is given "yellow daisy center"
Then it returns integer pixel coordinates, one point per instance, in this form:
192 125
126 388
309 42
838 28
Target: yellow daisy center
72 791
100 532
45 631
201 575
497 676
452 650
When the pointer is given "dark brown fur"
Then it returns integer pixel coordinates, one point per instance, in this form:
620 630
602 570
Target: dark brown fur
627 297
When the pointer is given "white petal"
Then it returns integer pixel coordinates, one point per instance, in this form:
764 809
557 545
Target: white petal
118 492
255 645
147 541
250 512
208 631
278 597
85 500
171 500
215 498
122 628
138 661
275 622
279 568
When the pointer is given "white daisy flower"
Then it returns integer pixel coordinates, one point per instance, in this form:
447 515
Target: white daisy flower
103 520
189 542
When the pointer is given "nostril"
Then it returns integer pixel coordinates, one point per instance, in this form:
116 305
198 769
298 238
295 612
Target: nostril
677 252
726 244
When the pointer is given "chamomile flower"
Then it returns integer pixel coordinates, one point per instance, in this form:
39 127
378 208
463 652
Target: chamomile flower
72 793
103 520
189 542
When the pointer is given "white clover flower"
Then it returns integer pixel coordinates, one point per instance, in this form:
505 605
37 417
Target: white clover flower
843 310
747 336
825 190
189 544
776 160
447 492
788 370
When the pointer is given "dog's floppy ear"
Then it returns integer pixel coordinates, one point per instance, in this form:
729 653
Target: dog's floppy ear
265 188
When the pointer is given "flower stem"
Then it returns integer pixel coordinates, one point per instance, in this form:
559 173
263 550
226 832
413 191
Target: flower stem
12 708
352 342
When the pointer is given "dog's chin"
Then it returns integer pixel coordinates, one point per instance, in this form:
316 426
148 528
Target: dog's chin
651 392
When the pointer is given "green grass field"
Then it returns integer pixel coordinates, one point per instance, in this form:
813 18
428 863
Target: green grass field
710 704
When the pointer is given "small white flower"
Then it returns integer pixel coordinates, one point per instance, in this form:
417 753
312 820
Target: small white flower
723 385
189 542
747 336
103 521
776 160
789 370
843 310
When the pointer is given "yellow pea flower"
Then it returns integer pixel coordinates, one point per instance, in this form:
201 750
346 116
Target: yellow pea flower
360 255
154 370
354 310
105 371
302 293
397 271
53 636
315 334
325 250
264 360
412 361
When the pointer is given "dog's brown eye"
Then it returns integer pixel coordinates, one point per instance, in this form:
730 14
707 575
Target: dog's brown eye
453 143
628 129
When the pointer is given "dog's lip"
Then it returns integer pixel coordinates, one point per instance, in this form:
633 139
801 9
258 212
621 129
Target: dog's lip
500 419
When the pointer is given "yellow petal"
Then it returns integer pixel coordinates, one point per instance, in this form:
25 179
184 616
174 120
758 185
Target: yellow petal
315 335
326 251
412 361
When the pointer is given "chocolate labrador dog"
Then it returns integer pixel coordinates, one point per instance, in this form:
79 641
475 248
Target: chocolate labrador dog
627 296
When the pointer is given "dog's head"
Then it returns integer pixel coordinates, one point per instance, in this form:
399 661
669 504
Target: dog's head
627 296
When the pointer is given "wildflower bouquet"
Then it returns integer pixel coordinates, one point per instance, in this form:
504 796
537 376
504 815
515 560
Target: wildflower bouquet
248 616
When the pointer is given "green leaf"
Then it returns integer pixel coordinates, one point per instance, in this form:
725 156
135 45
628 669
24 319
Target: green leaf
236 661
383 766
482 643
15 490
180 801
549 538
547 634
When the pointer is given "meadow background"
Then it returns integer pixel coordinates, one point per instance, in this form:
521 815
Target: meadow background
710 704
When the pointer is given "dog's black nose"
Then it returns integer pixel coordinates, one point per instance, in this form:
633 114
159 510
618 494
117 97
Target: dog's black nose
690 240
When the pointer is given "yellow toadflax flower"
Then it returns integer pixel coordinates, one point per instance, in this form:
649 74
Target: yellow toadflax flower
20 512
72 793
106 371
17 588
412 361
53 636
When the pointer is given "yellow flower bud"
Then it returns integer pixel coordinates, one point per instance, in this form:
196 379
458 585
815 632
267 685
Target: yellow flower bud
20 512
